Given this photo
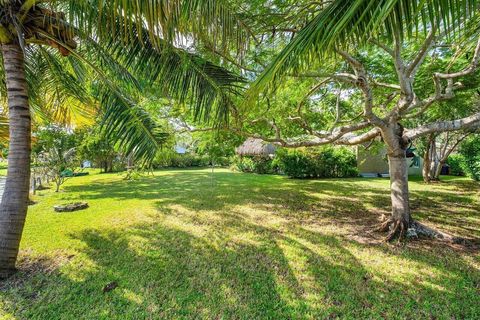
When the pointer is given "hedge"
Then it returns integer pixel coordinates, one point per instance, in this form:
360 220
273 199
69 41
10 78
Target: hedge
326 162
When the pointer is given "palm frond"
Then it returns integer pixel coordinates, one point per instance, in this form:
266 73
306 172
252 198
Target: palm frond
57 87
133 128
130 46
174 21
173 71
186 77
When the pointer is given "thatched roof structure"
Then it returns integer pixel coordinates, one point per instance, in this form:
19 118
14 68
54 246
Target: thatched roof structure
256 147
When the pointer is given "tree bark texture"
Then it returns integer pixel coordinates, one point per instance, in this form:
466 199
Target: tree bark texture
400 219
13 208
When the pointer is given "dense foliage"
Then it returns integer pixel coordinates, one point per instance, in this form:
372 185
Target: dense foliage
456 163
467 161
327 162
470 151
219 147
172 159
98 148
257 164
198 149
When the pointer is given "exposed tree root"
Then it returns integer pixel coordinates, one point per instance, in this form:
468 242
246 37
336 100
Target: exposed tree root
422 231
401 230
396 229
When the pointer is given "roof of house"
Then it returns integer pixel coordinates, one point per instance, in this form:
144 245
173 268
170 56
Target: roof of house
256 147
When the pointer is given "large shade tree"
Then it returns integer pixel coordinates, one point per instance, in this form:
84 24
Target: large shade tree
104 53
336 42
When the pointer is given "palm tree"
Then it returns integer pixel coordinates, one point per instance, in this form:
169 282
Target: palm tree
341 25
52 49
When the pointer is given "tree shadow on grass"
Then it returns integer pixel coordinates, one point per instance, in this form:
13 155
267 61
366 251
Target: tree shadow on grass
212 252
350 202
247 272
195 190
169 273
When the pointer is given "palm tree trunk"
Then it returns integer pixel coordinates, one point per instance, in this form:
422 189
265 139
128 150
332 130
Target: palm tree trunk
13 208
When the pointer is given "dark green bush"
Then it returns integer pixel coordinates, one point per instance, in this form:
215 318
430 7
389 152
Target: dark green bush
327 162
294 163
257 164
223 161
189 160
470 150
456 163
170 159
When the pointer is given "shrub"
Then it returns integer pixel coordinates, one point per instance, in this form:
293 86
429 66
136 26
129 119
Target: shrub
170 159
456 163
223 161
470 150
257 164
294 163
242 164
327 162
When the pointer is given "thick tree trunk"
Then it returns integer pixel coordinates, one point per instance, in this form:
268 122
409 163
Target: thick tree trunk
400 220
13 208
433 159
401 224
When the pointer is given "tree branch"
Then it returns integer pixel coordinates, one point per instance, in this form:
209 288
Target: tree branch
361 81
340 136
422 54
443 126
470 69
347 140
442 94
383 46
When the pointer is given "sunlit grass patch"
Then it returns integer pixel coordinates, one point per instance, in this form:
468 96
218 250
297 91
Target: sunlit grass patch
192 244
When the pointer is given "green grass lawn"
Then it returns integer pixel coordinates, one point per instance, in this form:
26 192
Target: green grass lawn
189 244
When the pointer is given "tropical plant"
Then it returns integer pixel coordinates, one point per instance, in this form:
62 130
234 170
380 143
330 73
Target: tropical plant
104 55
55 152
385 98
